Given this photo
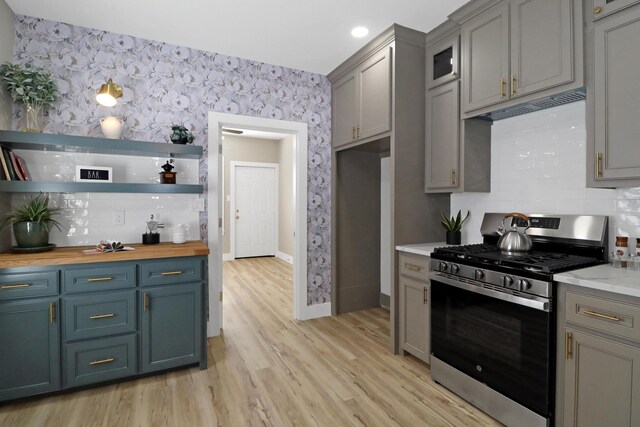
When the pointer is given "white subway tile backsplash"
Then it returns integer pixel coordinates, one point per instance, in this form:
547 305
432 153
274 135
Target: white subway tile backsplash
538 165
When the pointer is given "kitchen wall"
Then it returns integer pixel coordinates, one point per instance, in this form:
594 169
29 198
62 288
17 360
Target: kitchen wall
7 19
286 208
165 84
538 165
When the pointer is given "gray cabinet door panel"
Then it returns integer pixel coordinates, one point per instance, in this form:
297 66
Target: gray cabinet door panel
27 285
485 64
374 77
442 137
99 315
171 326
602 383
602 8
541 45
617 96
343 110
30 354
414 322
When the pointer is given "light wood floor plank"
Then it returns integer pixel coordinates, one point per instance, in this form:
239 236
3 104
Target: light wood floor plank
267 369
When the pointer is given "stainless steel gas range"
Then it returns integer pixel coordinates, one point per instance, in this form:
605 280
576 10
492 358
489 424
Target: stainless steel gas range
493 314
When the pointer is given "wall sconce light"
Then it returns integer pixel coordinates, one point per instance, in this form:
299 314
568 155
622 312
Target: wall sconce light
108 93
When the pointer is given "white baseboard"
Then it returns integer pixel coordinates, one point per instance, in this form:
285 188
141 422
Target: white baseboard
227 257
284 257
315 311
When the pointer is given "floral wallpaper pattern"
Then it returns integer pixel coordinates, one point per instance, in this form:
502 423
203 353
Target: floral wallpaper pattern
165 84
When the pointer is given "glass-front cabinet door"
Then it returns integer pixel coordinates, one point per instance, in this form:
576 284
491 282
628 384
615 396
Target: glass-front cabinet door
443 61
602 8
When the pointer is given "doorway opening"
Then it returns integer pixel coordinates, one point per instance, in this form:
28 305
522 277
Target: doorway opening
244 216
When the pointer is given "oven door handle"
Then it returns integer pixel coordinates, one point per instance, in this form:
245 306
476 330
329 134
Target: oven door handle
532 302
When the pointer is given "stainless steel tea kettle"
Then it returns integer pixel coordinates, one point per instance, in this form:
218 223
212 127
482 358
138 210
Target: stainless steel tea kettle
512 241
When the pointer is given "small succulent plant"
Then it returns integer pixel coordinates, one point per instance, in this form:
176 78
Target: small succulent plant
453 224
181 135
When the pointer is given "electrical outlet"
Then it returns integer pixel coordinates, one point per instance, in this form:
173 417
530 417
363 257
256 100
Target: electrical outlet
197 205
118 217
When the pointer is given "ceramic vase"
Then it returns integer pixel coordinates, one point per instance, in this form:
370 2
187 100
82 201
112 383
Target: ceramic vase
31 234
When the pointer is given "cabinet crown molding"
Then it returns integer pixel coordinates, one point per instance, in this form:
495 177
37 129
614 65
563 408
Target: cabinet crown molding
471 9
444 30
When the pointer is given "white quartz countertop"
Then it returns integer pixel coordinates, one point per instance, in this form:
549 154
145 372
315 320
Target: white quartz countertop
421 248
605 278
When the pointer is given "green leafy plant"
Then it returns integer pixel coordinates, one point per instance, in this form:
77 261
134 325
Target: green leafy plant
454 223
36 209
29 85
181 135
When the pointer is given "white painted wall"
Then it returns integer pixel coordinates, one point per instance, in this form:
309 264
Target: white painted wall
385 226
538 165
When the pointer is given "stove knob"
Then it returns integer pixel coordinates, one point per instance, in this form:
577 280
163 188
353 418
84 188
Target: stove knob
524 284
507 281
454 268
479 274
443 266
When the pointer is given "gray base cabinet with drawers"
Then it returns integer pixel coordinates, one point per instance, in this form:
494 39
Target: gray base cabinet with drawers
414 305
76 325
598 360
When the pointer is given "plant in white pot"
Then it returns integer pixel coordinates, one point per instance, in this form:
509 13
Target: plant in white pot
453 226
32 223
32 87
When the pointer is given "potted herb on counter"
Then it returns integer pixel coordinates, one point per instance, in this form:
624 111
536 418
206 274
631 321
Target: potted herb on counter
453 226
32 223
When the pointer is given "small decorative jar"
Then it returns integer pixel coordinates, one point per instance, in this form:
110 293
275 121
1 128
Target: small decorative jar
111 127
622 249
167 176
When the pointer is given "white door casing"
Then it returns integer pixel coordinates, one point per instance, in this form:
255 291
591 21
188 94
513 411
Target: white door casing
254 212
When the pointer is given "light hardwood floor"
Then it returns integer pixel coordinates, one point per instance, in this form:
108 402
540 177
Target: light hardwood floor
270 370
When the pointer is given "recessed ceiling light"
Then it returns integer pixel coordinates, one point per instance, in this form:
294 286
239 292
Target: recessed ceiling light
359 32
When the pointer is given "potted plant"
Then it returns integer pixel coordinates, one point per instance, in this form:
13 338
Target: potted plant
33 88
181 135
32 223
453 226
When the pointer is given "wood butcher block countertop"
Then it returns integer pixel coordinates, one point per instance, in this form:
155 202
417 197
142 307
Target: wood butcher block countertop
74 254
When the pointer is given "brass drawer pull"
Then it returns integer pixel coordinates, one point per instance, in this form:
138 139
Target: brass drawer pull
353 133
100 279
513 85
145 302
412 267
502 83
602 316
170 273
597 10
425 295
20 285
101 316
453 176
52 312
101 361
568 345
598 165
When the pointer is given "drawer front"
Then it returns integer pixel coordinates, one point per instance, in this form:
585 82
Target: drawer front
99 315
104 359
603 315
100 278
415 266
169 271
24 285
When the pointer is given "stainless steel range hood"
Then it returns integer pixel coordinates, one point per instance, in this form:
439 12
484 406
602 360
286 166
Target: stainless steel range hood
537 105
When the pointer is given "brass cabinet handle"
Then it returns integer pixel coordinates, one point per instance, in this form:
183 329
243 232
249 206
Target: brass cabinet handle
412 267
513 85
146 301
502 83
357 131
101 316
19 285
170 273
52 312
568 344
453 176
353 133
597 10
598 165
425 295
602 316
102 361
99 279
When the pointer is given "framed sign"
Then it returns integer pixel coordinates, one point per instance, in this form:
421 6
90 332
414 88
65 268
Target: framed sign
94 174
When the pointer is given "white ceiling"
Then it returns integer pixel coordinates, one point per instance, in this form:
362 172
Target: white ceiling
307 35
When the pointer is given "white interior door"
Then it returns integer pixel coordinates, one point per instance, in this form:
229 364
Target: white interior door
255 211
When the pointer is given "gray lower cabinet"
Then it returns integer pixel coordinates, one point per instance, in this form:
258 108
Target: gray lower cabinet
30 352
598 360
615 131
171 326
414 305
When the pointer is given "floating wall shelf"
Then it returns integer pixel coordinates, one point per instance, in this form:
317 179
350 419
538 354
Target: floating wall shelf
96 187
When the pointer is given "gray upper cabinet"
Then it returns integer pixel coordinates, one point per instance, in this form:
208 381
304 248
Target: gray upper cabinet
361 100
602 8
343 109
541 45
485 65
443 61
616 101
442 137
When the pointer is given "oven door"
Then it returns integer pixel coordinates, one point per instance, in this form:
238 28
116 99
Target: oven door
500 343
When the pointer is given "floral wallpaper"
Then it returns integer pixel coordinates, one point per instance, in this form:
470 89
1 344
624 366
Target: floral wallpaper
165 84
